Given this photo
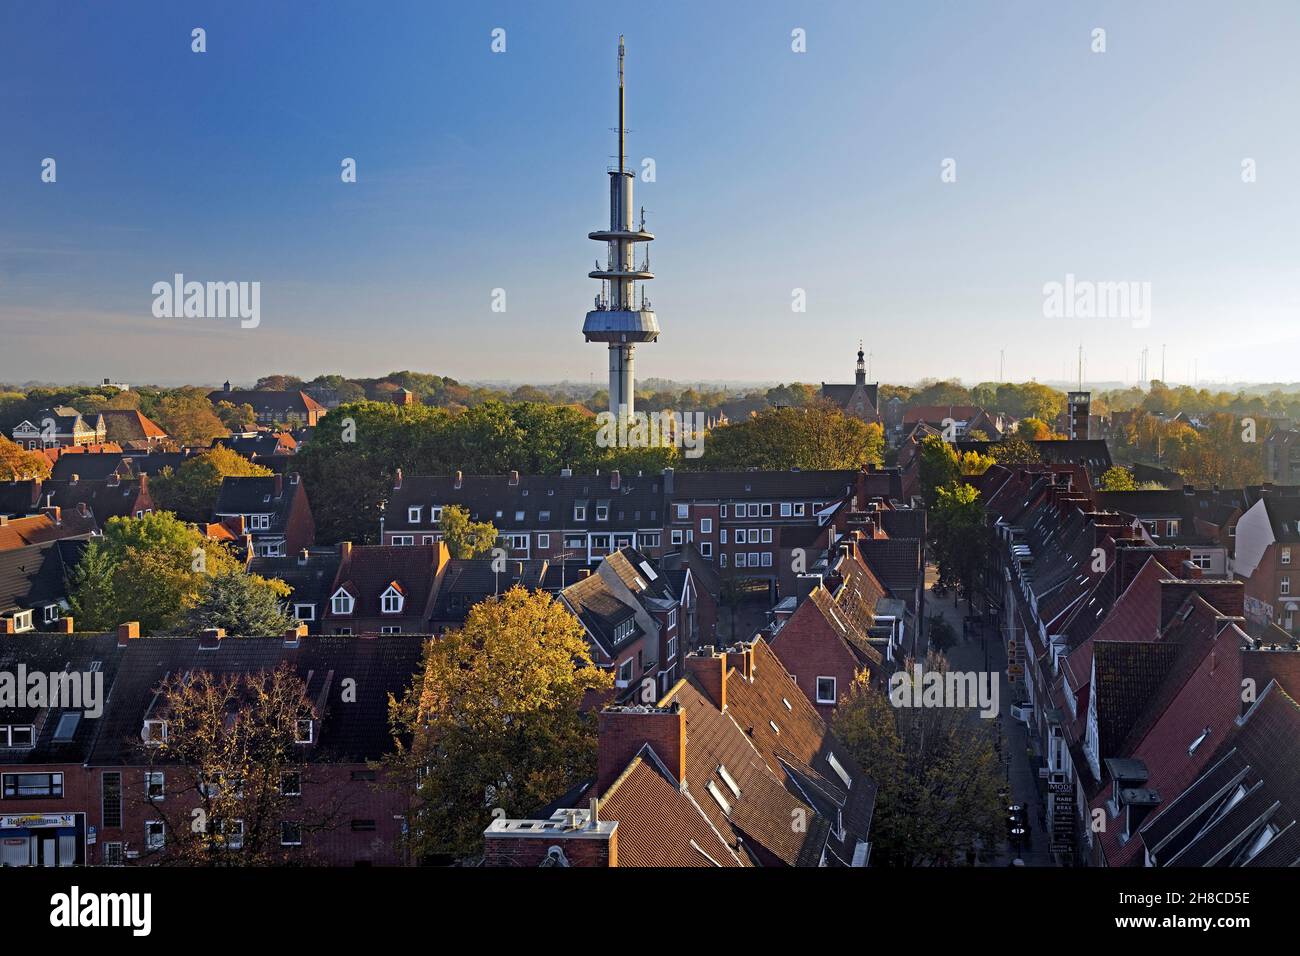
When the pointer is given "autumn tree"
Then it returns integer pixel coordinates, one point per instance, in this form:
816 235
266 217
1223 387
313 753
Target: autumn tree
1118 478
814 436
465 538
191 490
19 464
936 770
493 722
188 417
1014 451
234 770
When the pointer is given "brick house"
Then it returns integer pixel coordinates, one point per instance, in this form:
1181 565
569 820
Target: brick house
380 589
1267 547
60 427
274 510
291 408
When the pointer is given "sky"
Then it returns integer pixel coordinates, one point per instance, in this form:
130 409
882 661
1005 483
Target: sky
1168 162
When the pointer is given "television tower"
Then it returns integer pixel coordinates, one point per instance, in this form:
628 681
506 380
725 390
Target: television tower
619 318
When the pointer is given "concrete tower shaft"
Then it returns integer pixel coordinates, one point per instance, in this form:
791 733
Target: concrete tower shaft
619 318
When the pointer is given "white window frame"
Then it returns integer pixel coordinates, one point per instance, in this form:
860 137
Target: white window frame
683 512
706 549
798 509
787 510
543 541
706 526
152 778
677 536
298 728
154 732
821 699
392 601
309 616
406 540
766 536
151 841
341 596
413 514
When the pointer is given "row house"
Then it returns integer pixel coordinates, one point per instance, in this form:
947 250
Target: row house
1266 549
273 509
109 497
731 768
310 575
83 788
834 634
639 621
1188 518
565 517
131 429
379 589
59 427
34 585
52 524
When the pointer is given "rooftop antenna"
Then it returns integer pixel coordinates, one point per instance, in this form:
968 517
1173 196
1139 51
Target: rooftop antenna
621 131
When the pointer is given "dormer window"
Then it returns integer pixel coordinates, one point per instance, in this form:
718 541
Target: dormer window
435 514
413 514
579 512
602 511
154 733
341 602
391 601
302 732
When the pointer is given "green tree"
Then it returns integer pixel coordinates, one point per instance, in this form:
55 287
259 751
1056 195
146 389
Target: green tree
150 569
243 604
465 538
494 722
936 770
937 465
188 417
1118 479
1014 451
958 536
191 490
816 436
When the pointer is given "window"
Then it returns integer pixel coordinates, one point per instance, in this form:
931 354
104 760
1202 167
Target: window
728 779
428 539
413 514
722 560
753 510
1284 584
683 512
290 833
390 629
672 619
231 832
672 648
290 783
1286 555
767 559
722 535
22 621
52 613
66 728
304 612
602 512
767 510
723 512
155 784
519 516
716 794
341 602
113 854
259 522
753 559
1171 528
155 835
740 559
30 786
767 536
543 541
517 542
303 731
786 510
435 514
677 537
706 549
579 512
574 543
600 543
155 732
1203 561
650 539
403 539
543 516
742 536
625 672
839 770
110 789
826 690
798 509
391 601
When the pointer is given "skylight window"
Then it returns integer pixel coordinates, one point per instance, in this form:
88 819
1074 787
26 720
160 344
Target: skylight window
839 770
649 571
772 724
727 779
717 795
1198 741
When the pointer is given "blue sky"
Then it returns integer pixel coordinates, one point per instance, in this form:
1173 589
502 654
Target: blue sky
774 171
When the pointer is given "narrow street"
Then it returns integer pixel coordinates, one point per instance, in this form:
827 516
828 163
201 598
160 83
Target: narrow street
988 653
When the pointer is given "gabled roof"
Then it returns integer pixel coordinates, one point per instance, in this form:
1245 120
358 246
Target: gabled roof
776 485
130 424
296 401
34 529
369 570
34 576
257 495
311 581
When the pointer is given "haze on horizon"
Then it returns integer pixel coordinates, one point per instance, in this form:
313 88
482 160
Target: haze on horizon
774 170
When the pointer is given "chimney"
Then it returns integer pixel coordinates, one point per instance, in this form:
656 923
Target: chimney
570 838
709 669
63 625
668 481
460 480
113 480
4 520
625 730
75 479
54 513
279 485
615 479
83 509
345 550
514 477
128 631
293 634
8 626
1226 597
397 480
804 585
1138 803
741 657
210 637
302 556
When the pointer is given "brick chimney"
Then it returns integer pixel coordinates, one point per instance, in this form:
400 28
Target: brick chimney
345 550
210 637
514 477
625 730
128 631
668 481
397 480
1227 597
54 513
8 626
303 555
460 480
741 657
279 485
63 625
294 634
615 479
83 509
709 669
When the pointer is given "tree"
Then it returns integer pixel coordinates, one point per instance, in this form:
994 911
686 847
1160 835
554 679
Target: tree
234 772
1014 451
187 416
815 436
937 774
240 603
940 633
958 536
237 418
150 569
191 491
19 464
1118 478
465 538
972 463
1033 429
493 723
937 465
